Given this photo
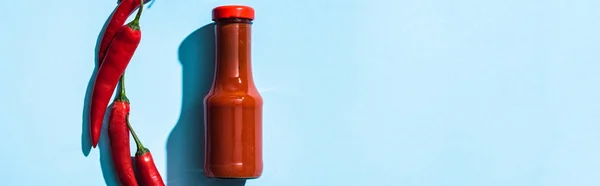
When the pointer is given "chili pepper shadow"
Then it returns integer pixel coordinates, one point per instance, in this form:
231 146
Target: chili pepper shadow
86 141
106 163
185 144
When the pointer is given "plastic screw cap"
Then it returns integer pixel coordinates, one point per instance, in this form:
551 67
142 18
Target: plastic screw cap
233 11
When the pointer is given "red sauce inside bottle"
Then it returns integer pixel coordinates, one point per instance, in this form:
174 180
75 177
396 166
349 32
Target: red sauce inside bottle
233 106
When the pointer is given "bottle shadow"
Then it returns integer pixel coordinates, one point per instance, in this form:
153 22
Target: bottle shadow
185 144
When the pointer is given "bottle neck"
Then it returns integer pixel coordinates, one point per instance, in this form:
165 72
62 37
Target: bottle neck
233 69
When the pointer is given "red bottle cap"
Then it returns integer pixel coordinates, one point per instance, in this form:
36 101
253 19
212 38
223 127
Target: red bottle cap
233 11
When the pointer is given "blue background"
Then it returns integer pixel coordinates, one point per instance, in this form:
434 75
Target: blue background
379 92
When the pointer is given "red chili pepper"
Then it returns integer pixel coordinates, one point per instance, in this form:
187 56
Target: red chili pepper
148 174
117 58
118 132
116 21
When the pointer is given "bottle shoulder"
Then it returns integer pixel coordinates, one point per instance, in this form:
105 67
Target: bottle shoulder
224 98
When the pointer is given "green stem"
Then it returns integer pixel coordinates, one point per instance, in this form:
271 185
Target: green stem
135 24
122 95
140 148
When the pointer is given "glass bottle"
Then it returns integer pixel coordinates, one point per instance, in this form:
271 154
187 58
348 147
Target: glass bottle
233 106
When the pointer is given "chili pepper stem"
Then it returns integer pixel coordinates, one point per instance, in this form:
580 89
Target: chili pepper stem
135 24
122 95
140 147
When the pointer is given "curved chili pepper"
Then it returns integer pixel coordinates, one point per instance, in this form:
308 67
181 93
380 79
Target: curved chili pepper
117 58
148 174
116 21
118 133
